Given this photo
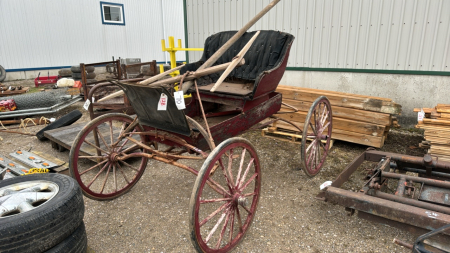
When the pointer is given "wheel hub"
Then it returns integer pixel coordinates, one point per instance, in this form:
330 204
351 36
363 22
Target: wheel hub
238 199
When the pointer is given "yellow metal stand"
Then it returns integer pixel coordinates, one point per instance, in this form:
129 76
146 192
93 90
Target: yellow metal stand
172 50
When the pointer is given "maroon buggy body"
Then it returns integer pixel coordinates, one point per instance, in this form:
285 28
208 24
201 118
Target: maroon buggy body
110 154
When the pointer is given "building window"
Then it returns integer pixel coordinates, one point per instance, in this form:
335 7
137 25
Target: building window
112 13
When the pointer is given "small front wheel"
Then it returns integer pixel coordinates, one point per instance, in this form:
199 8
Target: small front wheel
103 159
225 196
317 130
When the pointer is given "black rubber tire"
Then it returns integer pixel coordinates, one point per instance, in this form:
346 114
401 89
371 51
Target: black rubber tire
89 69
2 73
74 243
65 120
90 75
91 80
75 69
65 72
47 225
76 75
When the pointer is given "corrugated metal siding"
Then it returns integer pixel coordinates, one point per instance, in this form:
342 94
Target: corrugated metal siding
355 34
60 33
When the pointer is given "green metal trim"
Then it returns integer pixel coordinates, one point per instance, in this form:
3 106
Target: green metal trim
381 71
186 44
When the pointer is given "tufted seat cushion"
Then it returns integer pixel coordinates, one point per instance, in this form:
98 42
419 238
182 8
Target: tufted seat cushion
265 54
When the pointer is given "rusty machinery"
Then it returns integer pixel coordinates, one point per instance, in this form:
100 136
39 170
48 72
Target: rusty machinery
408 192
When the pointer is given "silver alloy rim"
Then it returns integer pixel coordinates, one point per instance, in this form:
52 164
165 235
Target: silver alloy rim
25 196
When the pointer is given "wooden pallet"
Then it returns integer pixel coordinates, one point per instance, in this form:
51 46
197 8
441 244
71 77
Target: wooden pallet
63 138
286 135
13 92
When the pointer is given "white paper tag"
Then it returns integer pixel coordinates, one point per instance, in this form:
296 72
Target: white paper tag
162 104
420 115
179 99
86 104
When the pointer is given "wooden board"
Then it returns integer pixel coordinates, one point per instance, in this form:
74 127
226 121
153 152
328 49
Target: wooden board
342 135
14 92
436 122
329 92
350 101
65 136
345 113
240 89
287 135
339 123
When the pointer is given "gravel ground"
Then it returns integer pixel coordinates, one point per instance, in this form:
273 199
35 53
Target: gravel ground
153 216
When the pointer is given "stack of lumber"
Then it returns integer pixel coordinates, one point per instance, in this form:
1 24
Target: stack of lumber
436 124
356 118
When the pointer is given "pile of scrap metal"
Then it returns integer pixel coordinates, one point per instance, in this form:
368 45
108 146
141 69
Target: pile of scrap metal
40 103
395 196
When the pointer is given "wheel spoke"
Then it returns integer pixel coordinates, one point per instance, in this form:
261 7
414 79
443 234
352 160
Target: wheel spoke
129 149
106 178
230 186
124 143
128 165
93 167
246 209
91 157
96 176
240 165
246 172
94 146
213 230
311 144
214 213
230 237
214 200
218 186
249 194
239 219
102 138
224 228
111 131
249 181
230 163
123 174
115 177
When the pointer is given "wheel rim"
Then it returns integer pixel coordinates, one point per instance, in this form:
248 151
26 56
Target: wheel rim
105 175
25 196
318 126
221 220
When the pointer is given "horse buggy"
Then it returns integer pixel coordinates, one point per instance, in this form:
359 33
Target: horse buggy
238 91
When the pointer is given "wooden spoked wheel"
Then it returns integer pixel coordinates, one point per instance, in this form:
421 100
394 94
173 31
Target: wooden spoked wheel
225 196
316 138
97 162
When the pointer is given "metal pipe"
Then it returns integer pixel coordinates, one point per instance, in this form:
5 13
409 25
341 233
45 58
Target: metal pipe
401 187
433 173
411 202
402 243
432 182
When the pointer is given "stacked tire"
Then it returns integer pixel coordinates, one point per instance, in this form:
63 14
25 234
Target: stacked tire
65 73
90 74
41 213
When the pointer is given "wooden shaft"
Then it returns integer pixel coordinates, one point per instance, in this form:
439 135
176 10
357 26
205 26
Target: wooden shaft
195 75
159 76
233 64
231 41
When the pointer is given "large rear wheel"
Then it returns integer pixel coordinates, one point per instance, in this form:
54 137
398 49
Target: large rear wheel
225 196
102 159
316 138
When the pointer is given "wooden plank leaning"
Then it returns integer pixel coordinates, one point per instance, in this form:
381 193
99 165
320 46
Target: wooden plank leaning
231 41
144 82
234 62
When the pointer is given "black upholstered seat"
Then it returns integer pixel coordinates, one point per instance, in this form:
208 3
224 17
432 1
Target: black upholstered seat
267 53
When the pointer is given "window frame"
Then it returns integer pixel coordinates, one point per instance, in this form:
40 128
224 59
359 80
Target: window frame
111 22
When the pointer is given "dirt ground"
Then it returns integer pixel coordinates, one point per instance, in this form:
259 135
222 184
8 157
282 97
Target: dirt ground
153 216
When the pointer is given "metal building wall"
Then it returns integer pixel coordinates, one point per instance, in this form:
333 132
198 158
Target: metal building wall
395 35
52 33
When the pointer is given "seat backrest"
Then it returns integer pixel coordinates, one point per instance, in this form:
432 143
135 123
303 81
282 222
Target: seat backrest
267 53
